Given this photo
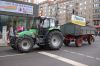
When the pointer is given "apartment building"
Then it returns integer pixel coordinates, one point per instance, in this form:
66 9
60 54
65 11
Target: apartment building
85 10
96 14
90 9
60 9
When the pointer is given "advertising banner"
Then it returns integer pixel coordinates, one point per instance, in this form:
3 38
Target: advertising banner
78 20
16 7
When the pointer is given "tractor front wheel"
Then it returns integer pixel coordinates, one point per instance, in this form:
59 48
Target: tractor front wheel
25 44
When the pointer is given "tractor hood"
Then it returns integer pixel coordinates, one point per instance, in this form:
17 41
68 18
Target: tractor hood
31 32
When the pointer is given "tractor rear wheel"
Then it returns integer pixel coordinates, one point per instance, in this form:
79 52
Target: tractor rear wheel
55 40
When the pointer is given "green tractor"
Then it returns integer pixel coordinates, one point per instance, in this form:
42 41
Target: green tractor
45 32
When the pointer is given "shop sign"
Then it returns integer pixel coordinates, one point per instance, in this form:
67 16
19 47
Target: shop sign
16 7
78 20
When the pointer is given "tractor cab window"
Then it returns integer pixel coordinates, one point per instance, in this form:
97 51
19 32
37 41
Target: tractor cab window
52 23
45 23
48 23
35 23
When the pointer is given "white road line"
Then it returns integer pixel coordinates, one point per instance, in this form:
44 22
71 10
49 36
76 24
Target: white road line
82 55
10 55
98 58
74 63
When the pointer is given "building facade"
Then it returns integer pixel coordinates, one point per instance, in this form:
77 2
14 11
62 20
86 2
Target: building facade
85 10
96 15
18 14
90 9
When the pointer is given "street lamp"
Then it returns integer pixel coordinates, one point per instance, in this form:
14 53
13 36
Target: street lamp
56 9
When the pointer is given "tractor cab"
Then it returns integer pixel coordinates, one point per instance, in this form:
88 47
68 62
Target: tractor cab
44 24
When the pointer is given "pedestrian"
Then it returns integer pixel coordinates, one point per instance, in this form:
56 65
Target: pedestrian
11 31
99 34
20 28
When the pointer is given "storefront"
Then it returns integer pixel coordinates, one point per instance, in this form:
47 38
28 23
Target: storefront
97 30
15 13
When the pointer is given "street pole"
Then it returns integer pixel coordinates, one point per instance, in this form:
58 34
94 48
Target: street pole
56 10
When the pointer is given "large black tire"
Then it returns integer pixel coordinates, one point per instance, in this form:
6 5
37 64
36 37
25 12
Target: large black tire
25 44
55 40
90 40
66 42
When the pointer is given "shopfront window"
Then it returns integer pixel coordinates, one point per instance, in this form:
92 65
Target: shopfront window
3 22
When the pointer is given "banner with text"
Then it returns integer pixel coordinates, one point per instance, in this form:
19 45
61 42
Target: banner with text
78 20
16 7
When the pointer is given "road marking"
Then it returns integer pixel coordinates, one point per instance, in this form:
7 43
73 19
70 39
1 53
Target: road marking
11 55
74 63
82 55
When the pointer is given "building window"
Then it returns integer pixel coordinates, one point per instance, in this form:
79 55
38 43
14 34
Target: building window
97 5
98 29
96 16
96 22
81 4
85 2
96 0
29 1
97 10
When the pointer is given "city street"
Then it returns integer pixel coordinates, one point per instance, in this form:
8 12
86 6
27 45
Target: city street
87 55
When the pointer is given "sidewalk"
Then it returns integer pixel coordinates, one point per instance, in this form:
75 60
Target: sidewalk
97 38
2 43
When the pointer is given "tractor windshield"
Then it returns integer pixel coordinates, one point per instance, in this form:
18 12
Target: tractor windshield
44 22
48 23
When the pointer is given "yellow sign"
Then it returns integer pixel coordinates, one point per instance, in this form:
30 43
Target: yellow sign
78 20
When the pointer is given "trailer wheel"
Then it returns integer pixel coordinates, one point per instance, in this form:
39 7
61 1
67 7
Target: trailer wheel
55 40
66 42
78 42
25 44
90 40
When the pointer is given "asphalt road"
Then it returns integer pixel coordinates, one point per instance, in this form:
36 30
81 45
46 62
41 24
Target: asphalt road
87 55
